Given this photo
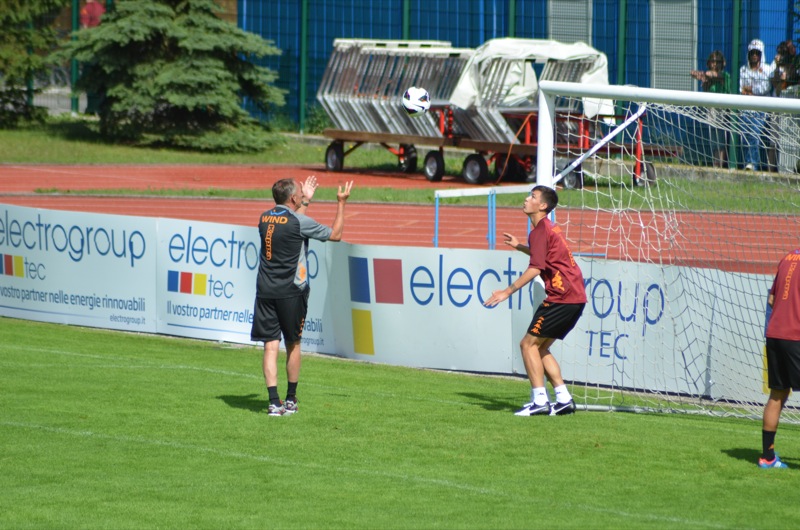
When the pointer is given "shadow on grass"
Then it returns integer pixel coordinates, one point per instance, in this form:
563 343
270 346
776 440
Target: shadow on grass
752 455
249 402
747 454
490 402
76 131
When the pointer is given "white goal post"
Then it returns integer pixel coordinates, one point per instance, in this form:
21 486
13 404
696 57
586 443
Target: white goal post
677 267
678 237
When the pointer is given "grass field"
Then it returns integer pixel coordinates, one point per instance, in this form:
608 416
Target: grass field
103 429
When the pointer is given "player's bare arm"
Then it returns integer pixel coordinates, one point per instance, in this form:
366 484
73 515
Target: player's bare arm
524 279
513 242
338 223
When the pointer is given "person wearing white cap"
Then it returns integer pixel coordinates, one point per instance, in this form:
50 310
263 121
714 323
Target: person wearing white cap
754 80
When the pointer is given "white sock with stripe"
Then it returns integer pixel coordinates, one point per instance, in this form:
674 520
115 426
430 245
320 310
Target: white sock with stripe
539 396
562 394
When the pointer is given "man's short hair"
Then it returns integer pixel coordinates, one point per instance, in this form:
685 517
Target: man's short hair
283 190
548 195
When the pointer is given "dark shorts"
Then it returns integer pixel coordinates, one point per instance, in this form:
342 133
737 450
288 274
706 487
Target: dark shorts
783 364
554 321
273 317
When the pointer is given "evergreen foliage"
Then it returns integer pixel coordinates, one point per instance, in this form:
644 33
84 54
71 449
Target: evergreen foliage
26 40
173 73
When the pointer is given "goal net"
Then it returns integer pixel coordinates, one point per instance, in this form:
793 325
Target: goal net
678 223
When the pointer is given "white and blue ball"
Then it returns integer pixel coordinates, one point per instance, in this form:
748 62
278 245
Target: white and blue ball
416 101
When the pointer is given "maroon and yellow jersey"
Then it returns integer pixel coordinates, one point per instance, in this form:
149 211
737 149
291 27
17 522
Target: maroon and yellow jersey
563 280
785 320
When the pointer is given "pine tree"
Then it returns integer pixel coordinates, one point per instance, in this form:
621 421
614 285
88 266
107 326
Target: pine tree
173 73
26 40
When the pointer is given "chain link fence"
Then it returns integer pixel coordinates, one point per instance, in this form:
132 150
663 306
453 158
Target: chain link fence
649 43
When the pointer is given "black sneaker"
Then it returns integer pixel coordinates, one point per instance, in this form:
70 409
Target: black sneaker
290 406
531 409
559 409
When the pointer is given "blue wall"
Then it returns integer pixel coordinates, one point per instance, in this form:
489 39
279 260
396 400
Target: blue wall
469 23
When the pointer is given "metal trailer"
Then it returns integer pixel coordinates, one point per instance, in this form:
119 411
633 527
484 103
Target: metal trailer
362 88
483 100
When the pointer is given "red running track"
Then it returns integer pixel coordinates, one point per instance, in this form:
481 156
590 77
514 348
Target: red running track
743 243
28 178
373 224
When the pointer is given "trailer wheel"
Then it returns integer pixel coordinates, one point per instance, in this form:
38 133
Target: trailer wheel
334 156
408 160
648 176
434 166
529 170
475 170
574 179
513 169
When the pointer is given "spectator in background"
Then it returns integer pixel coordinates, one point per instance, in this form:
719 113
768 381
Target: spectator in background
91 14
715 79
784 75
755 79
784 67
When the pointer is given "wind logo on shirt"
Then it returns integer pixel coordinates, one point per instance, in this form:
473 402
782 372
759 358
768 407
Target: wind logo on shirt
275 219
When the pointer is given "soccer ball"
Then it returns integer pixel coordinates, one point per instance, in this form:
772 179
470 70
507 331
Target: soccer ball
416 101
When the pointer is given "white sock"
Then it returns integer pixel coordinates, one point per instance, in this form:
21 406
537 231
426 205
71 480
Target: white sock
562 394
539 396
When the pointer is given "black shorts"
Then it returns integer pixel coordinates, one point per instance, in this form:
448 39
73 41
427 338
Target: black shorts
554 321
783 364
275 316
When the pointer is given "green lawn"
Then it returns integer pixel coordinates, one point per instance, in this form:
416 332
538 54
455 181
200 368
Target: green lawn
102 429
69 141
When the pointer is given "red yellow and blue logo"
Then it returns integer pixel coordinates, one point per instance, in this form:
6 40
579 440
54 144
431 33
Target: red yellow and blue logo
12 265
388 282
187 283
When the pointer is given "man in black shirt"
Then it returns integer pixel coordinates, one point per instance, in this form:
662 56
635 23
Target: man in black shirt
282 286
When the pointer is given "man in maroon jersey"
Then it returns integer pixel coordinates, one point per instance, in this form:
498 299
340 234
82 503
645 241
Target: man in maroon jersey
560 310
783 352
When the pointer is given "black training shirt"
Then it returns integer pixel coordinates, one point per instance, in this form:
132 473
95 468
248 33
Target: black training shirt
283 264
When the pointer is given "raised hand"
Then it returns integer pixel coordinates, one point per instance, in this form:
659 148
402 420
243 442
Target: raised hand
342 195
510 240
309 187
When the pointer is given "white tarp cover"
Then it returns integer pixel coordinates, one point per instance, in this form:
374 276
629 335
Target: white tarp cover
520 82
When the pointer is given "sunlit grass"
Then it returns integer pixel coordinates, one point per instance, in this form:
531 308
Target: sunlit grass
103 429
